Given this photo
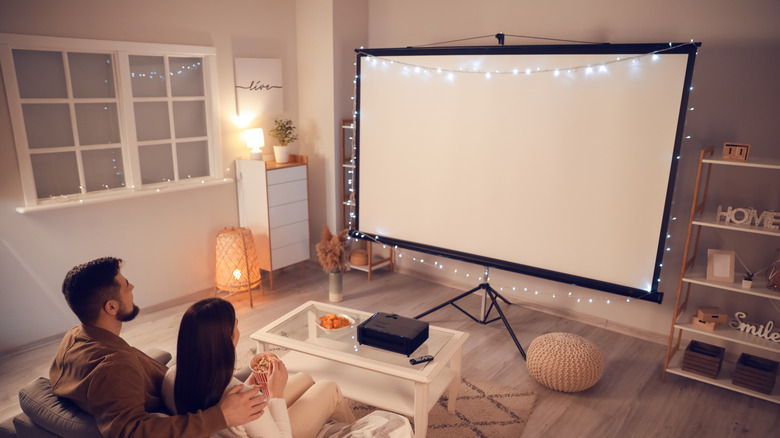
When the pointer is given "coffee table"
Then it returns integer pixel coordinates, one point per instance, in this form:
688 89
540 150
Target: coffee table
366 374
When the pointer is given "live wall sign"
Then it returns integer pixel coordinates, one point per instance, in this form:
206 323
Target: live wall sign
258 87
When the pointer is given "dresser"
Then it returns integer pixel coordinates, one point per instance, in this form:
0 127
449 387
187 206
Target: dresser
273 202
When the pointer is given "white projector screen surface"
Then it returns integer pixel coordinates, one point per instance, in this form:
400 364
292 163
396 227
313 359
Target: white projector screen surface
551 164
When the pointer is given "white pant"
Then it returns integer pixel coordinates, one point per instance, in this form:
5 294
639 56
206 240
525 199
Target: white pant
311 404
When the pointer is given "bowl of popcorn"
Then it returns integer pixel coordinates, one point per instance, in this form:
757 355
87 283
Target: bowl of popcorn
332 322
261 365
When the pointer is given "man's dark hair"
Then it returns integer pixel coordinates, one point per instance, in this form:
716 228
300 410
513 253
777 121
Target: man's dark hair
88 286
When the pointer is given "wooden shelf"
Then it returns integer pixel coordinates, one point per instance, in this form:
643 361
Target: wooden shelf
365 268
723 380
731 335
689 276
347 166
757 290
765 163
708 220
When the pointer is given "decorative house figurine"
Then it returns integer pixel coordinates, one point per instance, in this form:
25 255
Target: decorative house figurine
735 151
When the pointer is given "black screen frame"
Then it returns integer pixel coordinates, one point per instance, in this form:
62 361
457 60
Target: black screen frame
654 295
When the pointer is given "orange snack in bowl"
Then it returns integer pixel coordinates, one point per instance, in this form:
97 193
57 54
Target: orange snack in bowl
332 321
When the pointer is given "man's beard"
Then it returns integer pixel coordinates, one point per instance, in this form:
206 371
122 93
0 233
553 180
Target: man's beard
123 316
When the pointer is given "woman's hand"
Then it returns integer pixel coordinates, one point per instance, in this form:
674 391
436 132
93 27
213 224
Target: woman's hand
277 379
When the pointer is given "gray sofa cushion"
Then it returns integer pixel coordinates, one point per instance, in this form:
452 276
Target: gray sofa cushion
25 428
57 415
7 429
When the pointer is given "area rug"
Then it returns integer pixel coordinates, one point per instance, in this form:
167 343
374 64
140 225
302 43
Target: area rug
483 410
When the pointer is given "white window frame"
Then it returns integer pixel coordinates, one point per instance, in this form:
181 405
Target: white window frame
120 52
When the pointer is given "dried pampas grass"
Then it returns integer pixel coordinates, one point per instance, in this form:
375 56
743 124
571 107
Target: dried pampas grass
332 250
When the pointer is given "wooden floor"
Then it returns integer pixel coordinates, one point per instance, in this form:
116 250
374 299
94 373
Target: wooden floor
629 401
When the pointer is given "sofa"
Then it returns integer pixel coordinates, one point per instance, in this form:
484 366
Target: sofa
44 415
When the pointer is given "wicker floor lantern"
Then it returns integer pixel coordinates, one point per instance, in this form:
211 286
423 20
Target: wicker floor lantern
237 269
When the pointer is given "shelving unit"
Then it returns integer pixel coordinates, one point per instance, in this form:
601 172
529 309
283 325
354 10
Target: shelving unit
349 203
347 173
691 274
273 201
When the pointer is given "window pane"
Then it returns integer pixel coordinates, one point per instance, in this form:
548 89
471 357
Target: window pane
156 163
103 169
55 174
151 121
147 76
193 159
97 123
40 74
47 125
186 76
189 119
91 75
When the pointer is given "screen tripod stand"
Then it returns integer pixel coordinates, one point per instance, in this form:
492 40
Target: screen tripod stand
484 314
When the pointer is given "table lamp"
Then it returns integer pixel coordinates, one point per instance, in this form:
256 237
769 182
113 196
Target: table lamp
255 141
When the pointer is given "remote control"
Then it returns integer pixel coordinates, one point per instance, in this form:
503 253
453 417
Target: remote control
421 359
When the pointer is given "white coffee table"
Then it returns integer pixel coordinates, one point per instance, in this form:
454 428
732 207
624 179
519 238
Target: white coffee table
366 374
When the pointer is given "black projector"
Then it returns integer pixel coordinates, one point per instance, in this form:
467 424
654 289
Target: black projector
393 333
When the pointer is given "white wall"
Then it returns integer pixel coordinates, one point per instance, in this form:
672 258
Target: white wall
736 98
166 240
328 33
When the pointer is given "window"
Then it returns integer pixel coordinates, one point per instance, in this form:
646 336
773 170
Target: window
97 119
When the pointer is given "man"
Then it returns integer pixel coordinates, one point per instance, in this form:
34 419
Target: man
118 384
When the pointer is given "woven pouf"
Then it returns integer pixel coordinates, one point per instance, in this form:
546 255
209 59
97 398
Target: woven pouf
564 362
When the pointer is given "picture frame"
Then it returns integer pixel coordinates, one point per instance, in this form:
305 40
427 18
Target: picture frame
736 151
720 265
259 88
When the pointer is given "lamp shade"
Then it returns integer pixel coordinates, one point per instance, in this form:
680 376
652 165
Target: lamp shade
237 268
255 141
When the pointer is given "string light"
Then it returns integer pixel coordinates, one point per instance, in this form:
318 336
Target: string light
450 76
602 68
541 294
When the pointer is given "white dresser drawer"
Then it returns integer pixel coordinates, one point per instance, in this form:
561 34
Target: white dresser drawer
288 234
286 193
289 213
287 174
287 255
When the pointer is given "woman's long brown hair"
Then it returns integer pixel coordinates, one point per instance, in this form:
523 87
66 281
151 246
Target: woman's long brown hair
205 355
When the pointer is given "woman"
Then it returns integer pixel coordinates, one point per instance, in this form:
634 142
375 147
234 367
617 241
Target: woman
206 356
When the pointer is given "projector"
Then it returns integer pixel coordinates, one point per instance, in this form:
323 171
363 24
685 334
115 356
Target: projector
393 333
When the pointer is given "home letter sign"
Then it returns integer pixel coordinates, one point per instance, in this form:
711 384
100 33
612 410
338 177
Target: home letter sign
749 216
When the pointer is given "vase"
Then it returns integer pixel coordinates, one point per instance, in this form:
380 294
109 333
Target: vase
335 293
282 154
747 284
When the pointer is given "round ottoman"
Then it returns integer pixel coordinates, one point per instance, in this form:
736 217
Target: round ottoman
564 362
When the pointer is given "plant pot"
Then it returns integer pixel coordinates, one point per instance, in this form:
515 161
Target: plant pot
335 293
282 154
747 284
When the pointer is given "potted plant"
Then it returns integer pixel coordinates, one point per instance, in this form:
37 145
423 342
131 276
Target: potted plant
332 252
747 281
284 133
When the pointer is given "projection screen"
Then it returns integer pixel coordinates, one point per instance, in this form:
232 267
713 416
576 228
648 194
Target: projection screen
553 161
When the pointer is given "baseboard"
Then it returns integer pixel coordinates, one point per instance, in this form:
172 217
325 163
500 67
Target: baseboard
53 339
56 339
